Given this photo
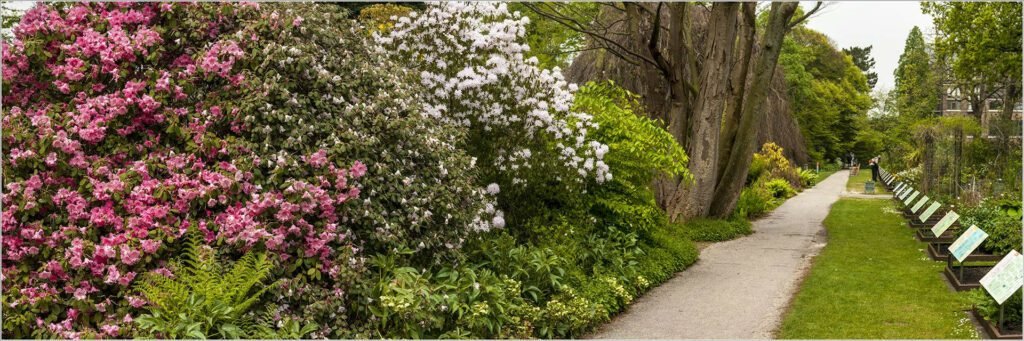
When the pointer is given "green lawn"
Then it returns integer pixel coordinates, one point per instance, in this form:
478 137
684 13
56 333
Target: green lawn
856 183
873 281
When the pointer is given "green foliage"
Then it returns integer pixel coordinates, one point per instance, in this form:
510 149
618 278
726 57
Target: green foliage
775 165
758 169
445 302
915 79
639 147
290 329
807 177
989 309
1001 220
716 230
861 57
829 93
980 41
780 189
754 202
552 42
572 262
377 17
204 298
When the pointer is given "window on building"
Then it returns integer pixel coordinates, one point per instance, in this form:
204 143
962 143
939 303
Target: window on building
952 105
995 104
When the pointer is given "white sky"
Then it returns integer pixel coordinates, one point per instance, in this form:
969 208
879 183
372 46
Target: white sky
882 24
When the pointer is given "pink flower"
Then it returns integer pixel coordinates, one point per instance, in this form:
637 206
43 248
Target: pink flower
62 86
164 272
358 169
128 255
126 279
221 57
318 159
148 104
150 245
298 21
51 159
113 275
110 330
136 301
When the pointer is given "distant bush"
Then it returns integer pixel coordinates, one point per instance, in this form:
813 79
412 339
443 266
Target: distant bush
780 188
776 165
807 177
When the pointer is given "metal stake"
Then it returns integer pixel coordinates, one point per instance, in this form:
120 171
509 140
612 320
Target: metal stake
961 278
999 326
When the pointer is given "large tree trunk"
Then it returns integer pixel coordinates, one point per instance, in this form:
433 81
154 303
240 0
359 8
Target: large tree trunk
732 181
737 84
706 125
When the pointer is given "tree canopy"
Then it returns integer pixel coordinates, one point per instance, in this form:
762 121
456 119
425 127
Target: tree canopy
830 93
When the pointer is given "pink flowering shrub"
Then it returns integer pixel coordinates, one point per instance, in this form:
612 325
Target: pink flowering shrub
122 134
265 127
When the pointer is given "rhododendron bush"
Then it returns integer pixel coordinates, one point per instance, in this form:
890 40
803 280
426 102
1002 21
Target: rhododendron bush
260 127
470 59
415 178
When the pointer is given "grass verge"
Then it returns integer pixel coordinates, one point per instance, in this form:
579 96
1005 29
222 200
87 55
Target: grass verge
873 281
824 174
856 182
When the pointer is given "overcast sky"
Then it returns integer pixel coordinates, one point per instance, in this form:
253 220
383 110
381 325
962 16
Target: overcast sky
881 24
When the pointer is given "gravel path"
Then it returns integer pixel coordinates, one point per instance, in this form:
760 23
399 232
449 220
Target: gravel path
739 289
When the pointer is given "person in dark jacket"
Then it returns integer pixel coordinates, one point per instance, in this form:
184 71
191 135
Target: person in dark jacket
874 169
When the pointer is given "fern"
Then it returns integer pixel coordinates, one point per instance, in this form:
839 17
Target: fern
204 299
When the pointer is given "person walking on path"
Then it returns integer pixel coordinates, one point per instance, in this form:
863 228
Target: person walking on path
874 169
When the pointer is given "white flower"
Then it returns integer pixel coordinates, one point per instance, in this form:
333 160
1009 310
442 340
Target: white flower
498 222
493 189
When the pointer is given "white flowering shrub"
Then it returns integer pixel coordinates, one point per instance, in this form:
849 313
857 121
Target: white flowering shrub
469 58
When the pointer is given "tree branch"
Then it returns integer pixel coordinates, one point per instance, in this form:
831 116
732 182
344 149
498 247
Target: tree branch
797 21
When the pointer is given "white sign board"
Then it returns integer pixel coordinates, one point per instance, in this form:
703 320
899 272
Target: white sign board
944 224
967 242
1005 278
919 204
929 211
910 199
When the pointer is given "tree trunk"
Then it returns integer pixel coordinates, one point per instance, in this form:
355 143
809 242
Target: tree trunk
706 124
731 183
1010 98
737 84
927 162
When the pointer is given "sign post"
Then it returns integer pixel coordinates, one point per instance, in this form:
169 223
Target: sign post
1004 279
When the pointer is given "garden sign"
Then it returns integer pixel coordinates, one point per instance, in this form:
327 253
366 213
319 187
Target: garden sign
919 204
944 224
1005 278
967 242
929 211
